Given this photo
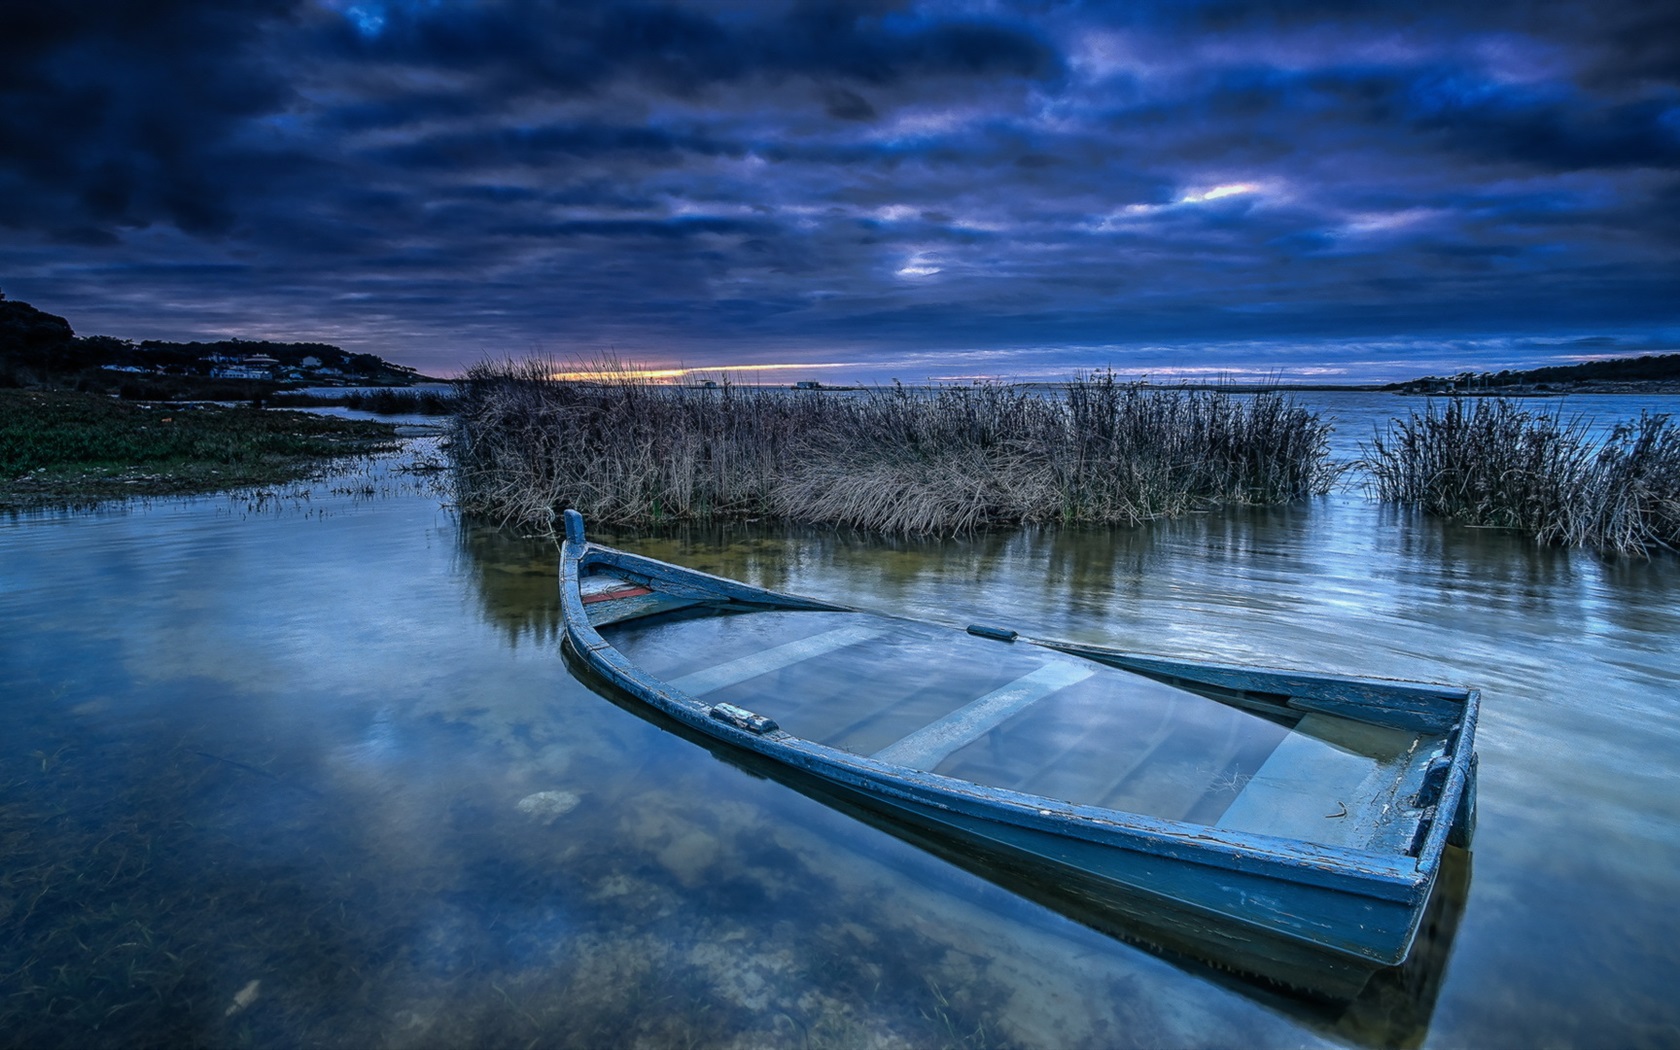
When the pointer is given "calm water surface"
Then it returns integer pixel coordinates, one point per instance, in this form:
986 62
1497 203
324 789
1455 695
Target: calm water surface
325 741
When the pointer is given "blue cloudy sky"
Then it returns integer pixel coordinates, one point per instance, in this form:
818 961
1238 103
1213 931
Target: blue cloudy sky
1307 190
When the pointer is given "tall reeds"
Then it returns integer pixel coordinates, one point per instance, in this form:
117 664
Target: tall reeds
393 401
891 459
1487 462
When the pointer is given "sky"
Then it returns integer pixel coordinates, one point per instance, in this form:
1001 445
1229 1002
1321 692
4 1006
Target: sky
855 193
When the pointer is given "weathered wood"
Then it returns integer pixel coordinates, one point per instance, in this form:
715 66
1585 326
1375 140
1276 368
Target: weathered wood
1404 705
635 605
624 590
1359 901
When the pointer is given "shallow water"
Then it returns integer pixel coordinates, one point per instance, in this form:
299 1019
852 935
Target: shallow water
324 740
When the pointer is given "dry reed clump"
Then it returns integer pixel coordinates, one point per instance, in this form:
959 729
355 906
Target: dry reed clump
1491 463
894 459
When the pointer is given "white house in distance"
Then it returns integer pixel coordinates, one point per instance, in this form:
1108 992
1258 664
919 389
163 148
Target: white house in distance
252 366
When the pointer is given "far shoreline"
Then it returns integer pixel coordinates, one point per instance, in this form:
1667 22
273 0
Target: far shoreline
1411 389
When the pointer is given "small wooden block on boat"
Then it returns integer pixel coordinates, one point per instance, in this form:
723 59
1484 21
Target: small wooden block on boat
741 718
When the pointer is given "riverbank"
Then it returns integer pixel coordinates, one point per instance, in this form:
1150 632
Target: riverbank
62 448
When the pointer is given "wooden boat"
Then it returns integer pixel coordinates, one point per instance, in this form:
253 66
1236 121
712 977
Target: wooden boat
1298 817
1352 1000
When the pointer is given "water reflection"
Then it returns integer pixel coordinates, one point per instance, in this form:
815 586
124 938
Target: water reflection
514 578
1370 1006
289 744
1574 654
310 775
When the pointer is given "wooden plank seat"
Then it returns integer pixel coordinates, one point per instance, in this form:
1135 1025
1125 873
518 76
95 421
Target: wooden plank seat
634 606
733 672
1323 784
933 743
608 599
1118 741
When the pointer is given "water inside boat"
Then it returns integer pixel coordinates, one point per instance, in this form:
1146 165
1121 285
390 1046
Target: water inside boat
1029 719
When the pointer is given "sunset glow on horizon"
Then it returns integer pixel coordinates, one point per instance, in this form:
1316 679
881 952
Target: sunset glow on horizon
612 373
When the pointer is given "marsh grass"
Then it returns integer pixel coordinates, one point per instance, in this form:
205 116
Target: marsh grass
892 459
60 444
1489 463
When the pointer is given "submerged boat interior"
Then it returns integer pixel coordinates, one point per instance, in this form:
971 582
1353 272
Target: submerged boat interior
980 707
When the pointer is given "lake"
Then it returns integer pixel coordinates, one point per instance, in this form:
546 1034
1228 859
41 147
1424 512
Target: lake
307 767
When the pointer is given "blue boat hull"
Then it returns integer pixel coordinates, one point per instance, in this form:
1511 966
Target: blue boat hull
1289 904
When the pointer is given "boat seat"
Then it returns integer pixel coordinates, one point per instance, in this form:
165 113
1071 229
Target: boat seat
932 744
1322 785
631 604
711 679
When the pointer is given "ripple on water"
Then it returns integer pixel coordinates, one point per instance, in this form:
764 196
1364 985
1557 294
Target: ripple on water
328 743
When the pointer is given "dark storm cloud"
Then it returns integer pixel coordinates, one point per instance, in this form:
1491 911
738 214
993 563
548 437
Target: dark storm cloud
1028 188
577 47
119 114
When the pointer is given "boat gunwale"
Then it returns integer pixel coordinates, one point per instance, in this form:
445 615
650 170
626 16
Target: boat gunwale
1398 878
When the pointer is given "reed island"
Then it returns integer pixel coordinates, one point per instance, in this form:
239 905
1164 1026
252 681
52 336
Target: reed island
892 459
1097 452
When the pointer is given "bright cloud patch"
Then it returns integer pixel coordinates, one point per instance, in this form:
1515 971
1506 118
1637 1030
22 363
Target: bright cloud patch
1230 189
919 265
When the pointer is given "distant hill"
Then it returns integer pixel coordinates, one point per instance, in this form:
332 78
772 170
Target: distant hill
1651 368
32 338
313 360
38 346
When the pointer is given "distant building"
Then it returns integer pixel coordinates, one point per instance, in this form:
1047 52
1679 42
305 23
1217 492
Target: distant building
252 366
807 384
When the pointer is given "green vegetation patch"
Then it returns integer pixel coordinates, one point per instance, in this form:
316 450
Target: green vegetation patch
61 447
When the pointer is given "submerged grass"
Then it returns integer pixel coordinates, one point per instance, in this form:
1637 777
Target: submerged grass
893 459
1490 463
